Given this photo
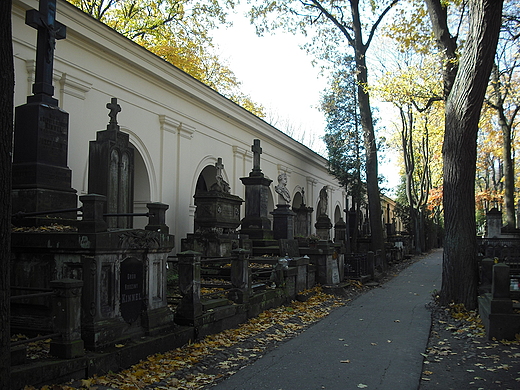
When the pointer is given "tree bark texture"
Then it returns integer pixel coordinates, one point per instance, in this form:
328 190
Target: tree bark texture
6 134
463 107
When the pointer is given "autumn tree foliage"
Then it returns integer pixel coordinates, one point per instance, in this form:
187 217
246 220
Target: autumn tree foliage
412 84
503 98
179 31
6 131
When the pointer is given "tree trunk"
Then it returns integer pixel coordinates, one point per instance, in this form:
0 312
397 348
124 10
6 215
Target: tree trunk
509 172
460 269
6 133
447 43
367 124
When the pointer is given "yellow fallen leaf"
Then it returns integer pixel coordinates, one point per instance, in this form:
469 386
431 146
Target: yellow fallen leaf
119 345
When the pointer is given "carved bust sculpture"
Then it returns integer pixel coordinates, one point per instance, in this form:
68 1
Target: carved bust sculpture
281 189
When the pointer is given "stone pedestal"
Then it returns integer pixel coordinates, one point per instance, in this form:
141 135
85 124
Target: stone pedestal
157 217
190 308
41 178
255 223
67 319
340 232
240 277
283 222
323 226
496 308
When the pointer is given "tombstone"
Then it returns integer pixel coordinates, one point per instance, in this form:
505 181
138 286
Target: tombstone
323 223
255 223
111 170
283 217
494 223
41 178
340 232
217 217
302 224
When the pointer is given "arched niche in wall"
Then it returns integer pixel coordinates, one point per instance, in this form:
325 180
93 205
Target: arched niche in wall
142 191
206 179
297 200
337 213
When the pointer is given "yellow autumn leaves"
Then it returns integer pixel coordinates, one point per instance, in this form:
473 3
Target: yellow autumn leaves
273 325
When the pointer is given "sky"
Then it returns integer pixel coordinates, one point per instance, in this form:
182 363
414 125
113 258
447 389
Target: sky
276 73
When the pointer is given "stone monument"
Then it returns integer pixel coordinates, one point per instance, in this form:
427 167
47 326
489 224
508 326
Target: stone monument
217 217
302 225
255 223
283 217
323 223
41 177
111 170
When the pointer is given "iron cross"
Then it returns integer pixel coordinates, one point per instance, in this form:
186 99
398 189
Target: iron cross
49 30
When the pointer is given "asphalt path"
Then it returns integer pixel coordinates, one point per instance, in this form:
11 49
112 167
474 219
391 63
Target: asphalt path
375 342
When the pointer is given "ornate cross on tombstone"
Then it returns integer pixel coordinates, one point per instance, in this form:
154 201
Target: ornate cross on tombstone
257 151
219 166
114 110
49 30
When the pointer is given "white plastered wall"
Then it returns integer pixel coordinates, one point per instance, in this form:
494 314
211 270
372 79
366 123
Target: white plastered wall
176 124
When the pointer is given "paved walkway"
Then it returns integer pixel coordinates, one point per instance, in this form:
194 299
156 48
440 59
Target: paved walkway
374 343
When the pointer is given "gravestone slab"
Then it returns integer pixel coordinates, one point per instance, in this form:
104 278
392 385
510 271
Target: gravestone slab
131 288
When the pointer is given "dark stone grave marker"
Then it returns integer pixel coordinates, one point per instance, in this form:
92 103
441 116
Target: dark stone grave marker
111 170
41 177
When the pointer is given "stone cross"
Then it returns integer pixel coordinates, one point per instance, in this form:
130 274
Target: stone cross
257 151
219 167
49 30
114 110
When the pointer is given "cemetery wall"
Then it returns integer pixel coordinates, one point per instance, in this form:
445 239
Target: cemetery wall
177 125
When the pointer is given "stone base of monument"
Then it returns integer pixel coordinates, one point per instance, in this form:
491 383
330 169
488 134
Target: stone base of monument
497 315
323 226
41 179
329 262
496 308
283 222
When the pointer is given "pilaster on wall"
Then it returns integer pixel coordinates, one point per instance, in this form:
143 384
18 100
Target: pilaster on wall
168 134
66 84
73 86
284 169
239 170
311 199
331 204
180 135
